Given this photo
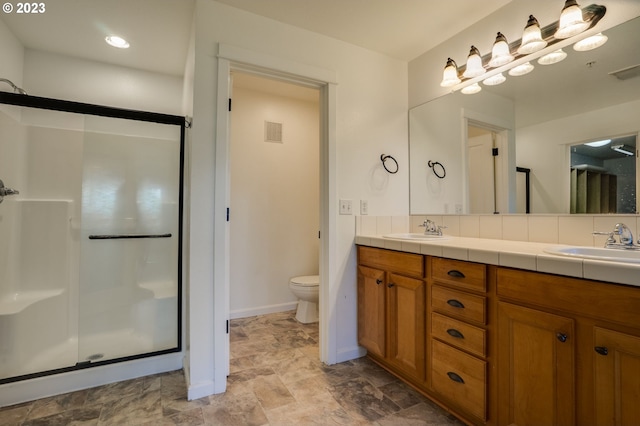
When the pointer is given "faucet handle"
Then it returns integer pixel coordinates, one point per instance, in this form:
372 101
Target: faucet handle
610 239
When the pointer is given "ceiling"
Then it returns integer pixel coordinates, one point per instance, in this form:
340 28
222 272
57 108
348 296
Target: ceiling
159 30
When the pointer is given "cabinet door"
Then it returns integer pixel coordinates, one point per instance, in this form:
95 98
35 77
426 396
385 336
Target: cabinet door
371 309
617 378
536 367
406 333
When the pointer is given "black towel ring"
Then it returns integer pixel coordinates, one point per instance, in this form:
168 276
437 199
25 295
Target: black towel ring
385 158
433 164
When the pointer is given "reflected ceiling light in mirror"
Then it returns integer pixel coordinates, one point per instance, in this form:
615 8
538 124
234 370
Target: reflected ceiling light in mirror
553 57
531 38
521 69
571 22
596 144
500 53
494 80
450 74
470 90
474 64
622 149
590 43
116 41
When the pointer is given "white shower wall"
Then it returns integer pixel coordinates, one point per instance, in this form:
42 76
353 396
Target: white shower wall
274 200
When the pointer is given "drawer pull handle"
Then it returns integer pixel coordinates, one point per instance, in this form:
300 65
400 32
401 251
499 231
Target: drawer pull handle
390 285
378 281
455 303
602 350
456 378
455 333
455 273
561 337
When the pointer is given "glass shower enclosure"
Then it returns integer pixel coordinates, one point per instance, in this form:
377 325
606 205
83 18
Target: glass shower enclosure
90 235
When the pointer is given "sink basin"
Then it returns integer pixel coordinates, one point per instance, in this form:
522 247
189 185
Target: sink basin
596 253
416 236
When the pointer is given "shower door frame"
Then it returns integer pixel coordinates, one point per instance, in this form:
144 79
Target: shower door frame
127 114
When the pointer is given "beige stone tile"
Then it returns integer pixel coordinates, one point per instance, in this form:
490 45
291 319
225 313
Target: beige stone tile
271 392
232 409
14 414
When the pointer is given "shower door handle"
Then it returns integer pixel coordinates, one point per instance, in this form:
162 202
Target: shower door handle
4 191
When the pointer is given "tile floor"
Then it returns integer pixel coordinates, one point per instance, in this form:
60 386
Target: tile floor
276 379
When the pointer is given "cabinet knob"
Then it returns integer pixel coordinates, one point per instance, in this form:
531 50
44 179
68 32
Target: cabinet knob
455 333
390 285
561 337
602 350
455 303
378 281
456 378
455 273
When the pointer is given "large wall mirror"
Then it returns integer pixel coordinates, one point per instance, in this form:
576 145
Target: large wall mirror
540 125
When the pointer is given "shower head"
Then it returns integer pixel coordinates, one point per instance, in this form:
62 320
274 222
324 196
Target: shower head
16 89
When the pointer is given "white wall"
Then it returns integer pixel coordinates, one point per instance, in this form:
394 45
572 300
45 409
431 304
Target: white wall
275 200
371 104
65 77
12 54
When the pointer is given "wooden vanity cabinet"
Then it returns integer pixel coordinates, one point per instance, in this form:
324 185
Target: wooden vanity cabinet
569 350
457 344
391 309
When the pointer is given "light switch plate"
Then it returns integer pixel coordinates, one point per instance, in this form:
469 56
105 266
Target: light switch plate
346 207
364 207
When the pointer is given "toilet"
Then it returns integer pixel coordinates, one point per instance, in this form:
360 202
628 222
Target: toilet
307 290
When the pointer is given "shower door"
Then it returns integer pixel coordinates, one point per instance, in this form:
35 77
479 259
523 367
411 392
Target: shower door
90 235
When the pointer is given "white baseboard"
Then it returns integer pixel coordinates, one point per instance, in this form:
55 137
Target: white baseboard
348 354
263 310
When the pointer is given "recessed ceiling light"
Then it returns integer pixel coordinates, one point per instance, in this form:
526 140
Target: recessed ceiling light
116 41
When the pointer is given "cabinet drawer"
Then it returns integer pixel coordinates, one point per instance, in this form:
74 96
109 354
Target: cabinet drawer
459 377
459 334
405 263
458 304
465 275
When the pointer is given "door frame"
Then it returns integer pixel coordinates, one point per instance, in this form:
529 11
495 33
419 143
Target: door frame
231 59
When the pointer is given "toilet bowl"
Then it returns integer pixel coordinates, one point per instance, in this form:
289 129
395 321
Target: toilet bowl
307 290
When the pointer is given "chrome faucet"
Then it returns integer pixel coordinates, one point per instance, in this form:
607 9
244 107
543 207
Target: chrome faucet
625 238
430 228
4 191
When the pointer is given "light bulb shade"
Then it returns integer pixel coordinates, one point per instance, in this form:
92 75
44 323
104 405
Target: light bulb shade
553 57
494 80
474 64
531 38
590 43
450 74
500 54
522 69
571 22
470 90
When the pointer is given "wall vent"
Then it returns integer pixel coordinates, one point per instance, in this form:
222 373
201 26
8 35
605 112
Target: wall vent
626 73
272 132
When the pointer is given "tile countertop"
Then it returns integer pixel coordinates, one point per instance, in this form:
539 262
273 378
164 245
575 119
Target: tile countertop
512 254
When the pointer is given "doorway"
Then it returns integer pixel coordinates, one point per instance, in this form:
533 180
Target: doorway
274 192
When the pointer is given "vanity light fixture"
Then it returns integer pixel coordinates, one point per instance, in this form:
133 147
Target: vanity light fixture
472 89
531 37
474 64
450 74
494 80
596 144
622 150
571 21
590 43
116 41
521 69
553 57
500 54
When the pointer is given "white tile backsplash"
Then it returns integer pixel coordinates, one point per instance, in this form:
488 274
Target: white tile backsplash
554 229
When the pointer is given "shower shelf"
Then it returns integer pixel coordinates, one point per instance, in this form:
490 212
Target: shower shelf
15 303
161 289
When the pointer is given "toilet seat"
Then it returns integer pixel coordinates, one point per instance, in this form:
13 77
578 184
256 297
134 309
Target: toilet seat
306 281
